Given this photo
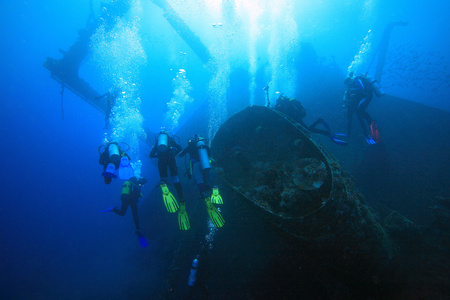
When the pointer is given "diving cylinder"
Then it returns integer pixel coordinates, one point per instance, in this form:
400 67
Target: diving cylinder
193 273
203 155
113 150
378 90
162 142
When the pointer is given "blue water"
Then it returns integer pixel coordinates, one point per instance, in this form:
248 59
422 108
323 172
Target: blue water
54 242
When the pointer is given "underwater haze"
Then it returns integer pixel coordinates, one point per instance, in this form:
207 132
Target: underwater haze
187 66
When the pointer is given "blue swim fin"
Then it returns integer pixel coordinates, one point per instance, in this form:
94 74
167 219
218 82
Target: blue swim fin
108 209
109 171
125 169
370 140
337 138
142 239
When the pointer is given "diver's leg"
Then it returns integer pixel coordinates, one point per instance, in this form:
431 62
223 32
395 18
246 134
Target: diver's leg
162 169
362 123
367 117
207 179
198 177
179 189
361 113
121 212
134 211
174 177
313 128
350 112
317 122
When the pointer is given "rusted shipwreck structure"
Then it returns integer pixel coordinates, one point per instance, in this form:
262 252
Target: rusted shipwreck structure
297 185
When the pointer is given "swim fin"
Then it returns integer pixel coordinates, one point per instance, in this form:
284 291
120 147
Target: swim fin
215 197
338 140
374 132
370 140
169 200
183 220
109 171
125 169
108 209
142 241
214 214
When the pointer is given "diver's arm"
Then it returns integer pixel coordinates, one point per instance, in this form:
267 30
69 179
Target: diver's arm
153 152
359 86
183 153
177 148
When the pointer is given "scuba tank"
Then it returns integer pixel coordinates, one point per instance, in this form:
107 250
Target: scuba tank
113 150
203 155
163 140
193 273
377 89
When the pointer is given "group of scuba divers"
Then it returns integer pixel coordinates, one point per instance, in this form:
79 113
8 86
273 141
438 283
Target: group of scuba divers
357 97
116 163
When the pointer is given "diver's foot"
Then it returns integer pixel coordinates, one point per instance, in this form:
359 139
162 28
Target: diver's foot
139 233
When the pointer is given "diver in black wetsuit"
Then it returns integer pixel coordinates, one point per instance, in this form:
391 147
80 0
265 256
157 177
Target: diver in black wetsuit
201 175
294 109
131 192
200 153
357 98
165 149
111 97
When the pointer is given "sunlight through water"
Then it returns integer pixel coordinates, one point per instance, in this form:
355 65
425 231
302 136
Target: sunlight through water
119 55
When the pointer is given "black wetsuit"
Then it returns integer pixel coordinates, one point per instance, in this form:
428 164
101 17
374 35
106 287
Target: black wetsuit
166 160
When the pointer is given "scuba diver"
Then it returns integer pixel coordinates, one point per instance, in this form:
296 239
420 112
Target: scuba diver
165 149
294 109
131 192
357 98
112 158
111 97
200 168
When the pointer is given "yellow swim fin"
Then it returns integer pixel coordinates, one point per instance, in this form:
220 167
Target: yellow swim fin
214 214
215 197
183 220
169 200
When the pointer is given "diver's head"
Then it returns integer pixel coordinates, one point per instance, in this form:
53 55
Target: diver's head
195 138
107 179
348 81
139 181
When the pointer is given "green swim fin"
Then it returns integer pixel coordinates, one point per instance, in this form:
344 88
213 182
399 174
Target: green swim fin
214 214
183 220
215 197
169 200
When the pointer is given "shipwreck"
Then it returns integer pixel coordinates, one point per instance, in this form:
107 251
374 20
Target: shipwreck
298 186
